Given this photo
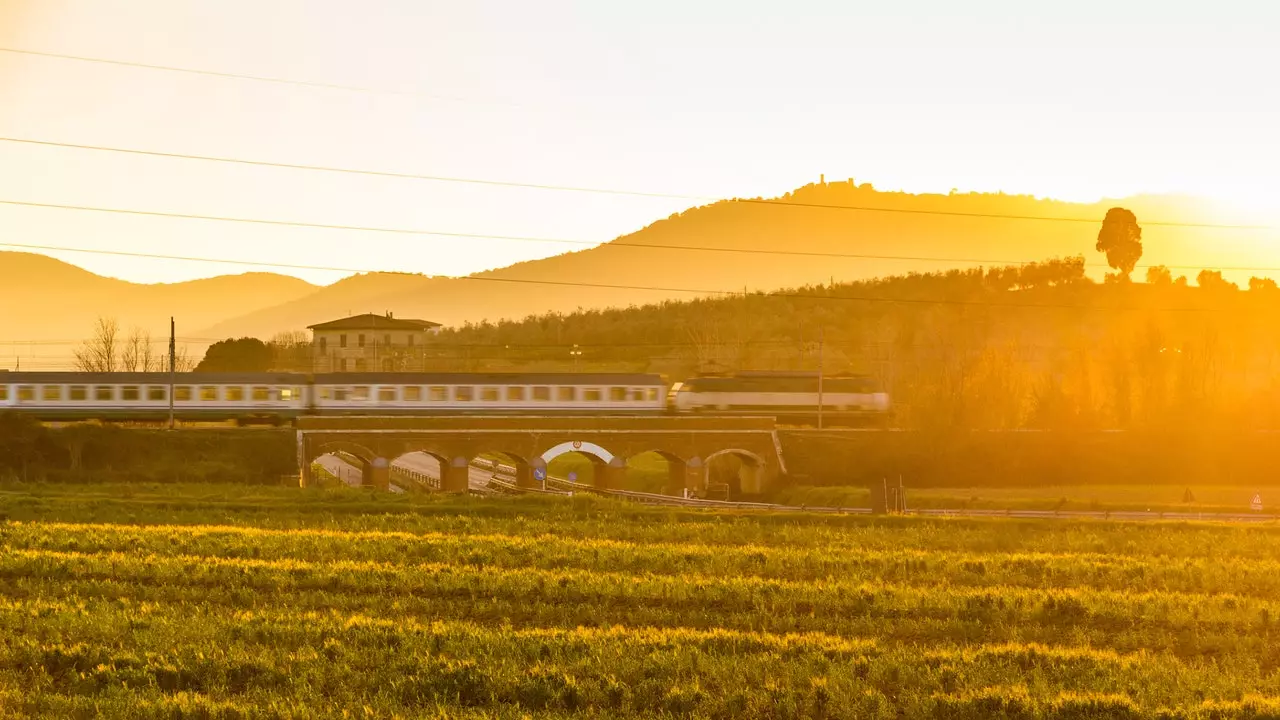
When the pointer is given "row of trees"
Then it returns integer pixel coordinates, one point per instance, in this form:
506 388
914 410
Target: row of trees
110 350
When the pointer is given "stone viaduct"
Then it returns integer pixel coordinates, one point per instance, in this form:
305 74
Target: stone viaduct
528 443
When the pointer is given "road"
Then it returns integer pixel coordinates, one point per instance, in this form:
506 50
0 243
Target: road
346 472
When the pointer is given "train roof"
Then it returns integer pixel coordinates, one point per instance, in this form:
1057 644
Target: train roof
194 378
151 378
489 379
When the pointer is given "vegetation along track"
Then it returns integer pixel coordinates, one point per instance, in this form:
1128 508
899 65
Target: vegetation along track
200 601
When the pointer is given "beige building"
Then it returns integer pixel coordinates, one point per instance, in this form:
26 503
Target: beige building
370 343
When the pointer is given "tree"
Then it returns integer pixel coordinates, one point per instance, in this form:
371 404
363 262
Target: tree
1159 275
138 354
98 353
1212 280
1257 284
243 355
1121 239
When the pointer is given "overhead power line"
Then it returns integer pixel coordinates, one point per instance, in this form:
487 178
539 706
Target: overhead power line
648 288
608 191
254 78
513 238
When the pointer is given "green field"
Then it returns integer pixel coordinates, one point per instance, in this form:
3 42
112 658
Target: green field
199 601
1156 498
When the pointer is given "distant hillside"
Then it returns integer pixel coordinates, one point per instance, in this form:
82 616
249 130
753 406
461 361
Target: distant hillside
732 226
47 299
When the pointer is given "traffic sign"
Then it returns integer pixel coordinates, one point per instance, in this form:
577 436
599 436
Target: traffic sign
540 473
1257 501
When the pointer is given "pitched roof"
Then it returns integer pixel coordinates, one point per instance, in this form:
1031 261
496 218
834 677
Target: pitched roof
370 321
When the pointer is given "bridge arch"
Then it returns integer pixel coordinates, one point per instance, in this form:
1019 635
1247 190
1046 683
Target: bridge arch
742 471
419 469
578 446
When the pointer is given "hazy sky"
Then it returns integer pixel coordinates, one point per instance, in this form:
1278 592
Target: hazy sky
1077 100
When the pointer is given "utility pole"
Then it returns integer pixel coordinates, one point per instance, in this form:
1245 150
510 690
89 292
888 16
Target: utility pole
173 357
821 339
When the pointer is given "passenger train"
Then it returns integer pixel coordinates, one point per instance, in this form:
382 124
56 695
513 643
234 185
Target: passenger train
280 397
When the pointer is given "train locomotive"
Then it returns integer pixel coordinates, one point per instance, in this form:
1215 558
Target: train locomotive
278 398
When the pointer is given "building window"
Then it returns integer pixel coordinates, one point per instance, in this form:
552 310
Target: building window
412 339
26 393
234 393
104 393
617 394
51 392
489 394
464 393
182 393
515 394
592 394
342 340
542 393
388 365
157 393
437 393
386 394
261 394
324 344
342 365
360 364
566 393
413 393
208 393
77 392
360 340
130 393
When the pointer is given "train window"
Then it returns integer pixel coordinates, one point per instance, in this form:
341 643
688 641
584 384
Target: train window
4 392
287 394
464 393
157 393
260 393
489 394
592 394
51 393
386 394
360 392
104 393
542 393
208 392
566 393
515 394
234 393
26 392
77 392
617 394
651 394
182 393
413 393
437 393
341 394
130 392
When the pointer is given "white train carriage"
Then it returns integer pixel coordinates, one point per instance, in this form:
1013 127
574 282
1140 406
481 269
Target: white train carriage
495 393
145 396
781 394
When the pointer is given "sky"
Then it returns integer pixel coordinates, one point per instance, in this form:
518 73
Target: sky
1079 101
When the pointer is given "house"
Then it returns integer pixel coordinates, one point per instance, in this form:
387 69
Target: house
369 342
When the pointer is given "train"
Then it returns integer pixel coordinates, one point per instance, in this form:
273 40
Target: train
278 398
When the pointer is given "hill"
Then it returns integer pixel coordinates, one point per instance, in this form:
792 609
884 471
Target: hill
50 300
744 244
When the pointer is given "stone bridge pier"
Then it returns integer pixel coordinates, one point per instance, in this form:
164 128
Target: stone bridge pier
529 443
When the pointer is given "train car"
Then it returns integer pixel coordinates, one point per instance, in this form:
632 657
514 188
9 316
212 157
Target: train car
785 395
145 396
494 393
280 397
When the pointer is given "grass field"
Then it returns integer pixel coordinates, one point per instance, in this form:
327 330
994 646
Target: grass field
224 602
